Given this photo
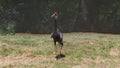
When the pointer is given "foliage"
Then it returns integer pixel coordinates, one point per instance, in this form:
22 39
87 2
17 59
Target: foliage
83 15
7 29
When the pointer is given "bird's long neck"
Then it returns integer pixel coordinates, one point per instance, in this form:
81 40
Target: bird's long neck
55 26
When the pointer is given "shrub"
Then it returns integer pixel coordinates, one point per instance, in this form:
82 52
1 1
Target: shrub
7 29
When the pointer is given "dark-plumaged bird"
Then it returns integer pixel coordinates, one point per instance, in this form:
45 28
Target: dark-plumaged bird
57 35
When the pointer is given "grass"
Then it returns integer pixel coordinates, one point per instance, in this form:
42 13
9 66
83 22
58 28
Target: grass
82 50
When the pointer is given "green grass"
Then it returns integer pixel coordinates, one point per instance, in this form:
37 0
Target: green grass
82 50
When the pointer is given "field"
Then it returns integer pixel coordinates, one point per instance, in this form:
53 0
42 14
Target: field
82 50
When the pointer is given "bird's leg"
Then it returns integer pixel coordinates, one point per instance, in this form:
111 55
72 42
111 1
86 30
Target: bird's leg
61 48
55 48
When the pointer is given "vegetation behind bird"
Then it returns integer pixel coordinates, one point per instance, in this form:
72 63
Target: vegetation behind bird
77 15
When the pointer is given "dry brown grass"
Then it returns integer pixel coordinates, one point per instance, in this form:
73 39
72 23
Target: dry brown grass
82 50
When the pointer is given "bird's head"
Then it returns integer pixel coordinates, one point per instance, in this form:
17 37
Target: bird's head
55 15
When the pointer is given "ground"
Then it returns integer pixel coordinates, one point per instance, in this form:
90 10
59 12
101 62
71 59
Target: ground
82 50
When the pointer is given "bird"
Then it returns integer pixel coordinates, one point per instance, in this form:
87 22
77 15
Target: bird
57 35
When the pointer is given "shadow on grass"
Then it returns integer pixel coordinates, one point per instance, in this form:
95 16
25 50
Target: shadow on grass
59 56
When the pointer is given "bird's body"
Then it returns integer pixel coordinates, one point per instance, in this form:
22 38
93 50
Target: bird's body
57 35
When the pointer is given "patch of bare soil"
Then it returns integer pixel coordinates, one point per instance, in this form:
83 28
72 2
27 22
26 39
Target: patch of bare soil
25 59
3 44
99 63
114 52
